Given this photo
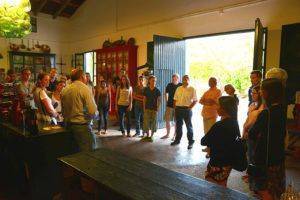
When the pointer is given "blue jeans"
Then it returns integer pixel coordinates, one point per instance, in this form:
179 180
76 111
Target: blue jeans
184 114
103 114
122 111
139 117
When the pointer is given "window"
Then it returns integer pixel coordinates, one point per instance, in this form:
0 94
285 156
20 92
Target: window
90 64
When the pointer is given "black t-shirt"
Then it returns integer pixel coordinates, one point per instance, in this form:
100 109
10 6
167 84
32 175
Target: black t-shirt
170 90
221 140
151 98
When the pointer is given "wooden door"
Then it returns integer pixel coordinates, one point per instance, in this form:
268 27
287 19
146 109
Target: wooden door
290 58
259 59
169 58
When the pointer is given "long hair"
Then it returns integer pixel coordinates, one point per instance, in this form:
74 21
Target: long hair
229 105
259 101
127 84
274 89
40 78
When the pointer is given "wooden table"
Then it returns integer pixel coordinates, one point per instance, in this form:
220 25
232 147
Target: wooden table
120 177
30 161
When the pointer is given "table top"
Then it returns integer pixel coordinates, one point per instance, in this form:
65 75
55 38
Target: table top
137 179
24 133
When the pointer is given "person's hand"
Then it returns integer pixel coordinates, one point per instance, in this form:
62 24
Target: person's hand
129 108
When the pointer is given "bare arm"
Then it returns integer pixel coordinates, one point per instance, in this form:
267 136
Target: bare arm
49 108
117 97
130 100
158 102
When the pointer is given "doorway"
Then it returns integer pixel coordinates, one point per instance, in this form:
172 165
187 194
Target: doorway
227 57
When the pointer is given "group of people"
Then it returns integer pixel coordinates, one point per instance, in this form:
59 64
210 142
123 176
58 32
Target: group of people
75 102
264 132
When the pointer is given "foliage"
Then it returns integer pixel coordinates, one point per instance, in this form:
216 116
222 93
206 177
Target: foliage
228 58
14 18
239 78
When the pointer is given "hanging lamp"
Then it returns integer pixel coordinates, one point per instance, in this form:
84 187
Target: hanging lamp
14 18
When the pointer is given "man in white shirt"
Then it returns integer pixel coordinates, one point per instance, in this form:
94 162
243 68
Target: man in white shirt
78 109
185 99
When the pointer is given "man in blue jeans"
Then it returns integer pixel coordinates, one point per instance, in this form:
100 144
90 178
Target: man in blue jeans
138 97
185 99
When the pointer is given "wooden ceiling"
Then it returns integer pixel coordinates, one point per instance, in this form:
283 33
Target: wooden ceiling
62 8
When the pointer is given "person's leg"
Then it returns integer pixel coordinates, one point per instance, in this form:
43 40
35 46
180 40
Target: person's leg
142 121
121 112
146 124
137 113
105 118
179 123
189 126
84 137
128 121
99 121
154 122
168 124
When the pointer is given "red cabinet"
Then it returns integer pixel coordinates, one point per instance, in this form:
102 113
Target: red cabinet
114 61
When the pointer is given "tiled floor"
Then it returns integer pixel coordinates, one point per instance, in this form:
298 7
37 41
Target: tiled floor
179 158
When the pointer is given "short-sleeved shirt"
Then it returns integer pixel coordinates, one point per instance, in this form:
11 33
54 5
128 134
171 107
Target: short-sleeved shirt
78 104
210 111
138 91
185 96
39 95
151 98
170 90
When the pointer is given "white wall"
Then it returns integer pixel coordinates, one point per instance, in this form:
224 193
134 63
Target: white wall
96 21
51 32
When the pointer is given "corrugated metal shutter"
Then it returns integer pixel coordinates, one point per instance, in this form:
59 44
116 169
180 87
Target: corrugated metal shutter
169 58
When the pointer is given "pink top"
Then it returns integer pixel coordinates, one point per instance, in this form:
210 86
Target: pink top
210 111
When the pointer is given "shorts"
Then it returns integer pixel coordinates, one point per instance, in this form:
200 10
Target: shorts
170 114
150 121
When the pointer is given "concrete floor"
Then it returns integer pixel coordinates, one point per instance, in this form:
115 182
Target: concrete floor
180 159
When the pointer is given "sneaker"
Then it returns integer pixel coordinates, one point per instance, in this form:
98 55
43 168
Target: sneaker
174 143
164 137
207 156
205 150
128 135
190 145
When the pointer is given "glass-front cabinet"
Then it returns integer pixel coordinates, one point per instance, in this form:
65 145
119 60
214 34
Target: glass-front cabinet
36 62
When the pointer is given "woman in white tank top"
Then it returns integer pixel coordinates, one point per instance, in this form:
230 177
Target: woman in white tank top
124 104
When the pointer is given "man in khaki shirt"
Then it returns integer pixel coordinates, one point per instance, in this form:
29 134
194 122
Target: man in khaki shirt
78 109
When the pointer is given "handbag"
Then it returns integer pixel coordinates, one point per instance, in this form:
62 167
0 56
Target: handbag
240 159
257 170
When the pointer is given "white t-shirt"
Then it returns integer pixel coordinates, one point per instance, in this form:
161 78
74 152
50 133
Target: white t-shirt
185 96
124 94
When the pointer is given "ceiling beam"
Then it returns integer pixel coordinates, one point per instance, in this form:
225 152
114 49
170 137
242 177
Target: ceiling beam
62 7
74 5
40 7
